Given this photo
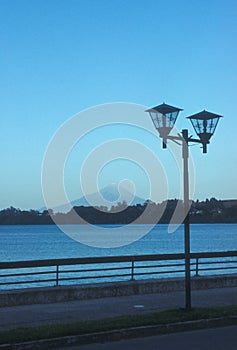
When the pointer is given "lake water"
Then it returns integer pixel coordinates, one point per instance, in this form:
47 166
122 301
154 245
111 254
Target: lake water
32 242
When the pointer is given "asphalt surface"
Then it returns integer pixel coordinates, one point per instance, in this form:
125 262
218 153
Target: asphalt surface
224 338
41 314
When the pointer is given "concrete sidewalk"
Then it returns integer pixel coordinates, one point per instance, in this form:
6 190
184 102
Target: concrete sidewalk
42 314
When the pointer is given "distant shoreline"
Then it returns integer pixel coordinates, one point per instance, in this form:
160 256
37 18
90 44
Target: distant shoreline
205 212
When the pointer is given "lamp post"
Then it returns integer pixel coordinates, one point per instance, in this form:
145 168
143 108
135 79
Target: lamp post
204 123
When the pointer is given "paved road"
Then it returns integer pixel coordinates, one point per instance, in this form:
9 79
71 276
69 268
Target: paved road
39 314
224 338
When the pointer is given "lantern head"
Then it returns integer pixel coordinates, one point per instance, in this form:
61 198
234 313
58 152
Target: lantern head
204 124
164 118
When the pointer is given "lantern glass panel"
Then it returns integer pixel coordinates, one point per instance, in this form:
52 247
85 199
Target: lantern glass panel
205 126
171 118
164 120
157 119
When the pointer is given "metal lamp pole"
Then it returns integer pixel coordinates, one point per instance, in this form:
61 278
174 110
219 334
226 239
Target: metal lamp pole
186 220
164 117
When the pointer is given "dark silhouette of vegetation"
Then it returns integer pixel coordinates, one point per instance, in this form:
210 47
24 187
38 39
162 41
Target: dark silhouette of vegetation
209 211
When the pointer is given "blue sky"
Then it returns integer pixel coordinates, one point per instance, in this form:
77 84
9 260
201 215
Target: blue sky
60 57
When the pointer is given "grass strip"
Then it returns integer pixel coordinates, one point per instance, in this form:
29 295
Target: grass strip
82 327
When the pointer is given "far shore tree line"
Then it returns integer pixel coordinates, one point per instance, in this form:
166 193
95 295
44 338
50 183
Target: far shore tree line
208 211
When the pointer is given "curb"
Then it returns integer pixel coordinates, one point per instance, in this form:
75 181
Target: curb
115 335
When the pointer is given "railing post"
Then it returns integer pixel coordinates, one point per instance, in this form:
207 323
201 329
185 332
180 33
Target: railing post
196 268
57 272
132 271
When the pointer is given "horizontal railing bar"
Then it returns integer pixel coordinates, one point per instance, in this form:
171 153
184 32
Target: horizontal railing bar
96 270
119 268
91 260
28 274
156 266
217 268
111 259
156 272
22 282
215 262
213 254
92 277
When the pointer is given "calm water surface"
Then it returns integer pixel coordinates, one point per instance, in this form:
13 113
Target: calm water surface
31 242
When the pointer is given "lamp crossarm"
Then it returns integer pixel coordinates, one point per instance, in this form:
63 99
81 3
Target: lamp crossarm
190 139
175 138
180 138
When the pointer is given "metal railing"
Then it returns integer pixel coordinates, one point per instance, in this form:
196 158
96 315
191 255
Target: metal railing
112 268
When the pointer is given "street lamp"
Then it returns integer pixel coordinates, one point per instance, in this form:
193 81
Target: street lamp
164 117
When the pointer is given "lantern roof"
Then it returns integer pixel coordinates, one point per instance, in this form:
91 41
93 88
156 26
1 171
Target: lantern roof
163 109
204 115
